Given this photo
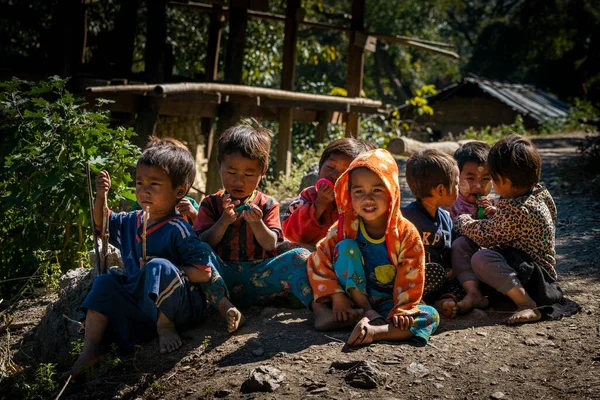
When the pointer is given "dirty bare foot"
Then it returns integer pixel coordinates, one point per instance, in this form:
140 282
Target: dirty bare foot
84 363
525 313
325 320
234 319
168 337
363 333
375 318
472 300
447 307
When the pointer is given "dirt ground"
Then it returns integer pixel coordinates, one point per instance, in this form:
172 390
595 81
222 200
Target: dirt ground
471 357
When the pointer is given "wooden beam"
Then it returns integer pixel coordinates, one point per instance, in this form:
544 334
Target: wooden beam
324 118
286 115
423 44
124 37
211 67
234 60
154 71
356 60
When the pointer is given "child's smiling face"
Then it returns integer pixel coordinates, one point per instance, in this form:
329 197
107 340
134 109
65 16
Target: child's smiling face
474 179
240 175
370 197
334 167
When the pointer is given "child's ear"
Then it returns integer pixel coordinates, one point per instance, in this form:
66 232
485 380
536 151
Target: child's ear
182 190
439 190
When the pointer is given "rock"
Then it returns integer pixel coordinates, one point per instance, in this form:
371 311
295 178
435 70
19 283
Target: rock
258 352
438 385
311 177
497 395
343 365
481 333
417 369
366 375
478 314
60 325
221 393
263 379
254 342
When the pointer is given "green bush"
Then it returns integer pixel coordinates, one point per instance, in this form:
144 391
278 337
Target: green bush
47 136
491 134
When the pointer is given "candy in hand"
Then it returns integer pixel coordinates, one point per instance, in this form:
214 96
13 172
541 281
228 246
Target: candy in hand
243 207
324 181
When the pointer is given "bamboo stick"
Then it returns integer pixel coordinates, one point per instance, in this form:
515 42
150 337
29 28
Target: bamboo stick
91 200
144 228
105 235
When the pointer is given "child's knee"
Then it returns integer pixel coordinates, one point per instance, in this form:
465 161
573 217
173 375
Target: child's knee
481 259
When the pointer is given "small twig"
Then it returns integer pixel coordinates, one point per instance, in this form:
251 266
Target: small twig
64 387
333 338
144 228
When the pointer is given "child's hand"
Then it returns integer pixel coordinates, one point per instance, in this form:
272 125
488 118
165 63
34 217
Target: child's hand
325 195
143 263
103 182
342 308
488 206
402 322
254 214
489 211
229 215
485 202
185 207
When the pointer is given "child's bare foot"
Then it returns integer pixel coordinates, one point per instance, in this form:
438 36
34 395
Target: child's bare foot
362 333
447 307
168 337
375 318
472 300
84 363
325 320
525 313
235 319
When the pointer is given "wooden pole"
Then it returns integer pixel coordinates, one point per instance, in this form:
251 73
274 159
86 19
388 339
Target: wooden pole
154 72
211 66
286 115
234 60
354 75
323 124
124 37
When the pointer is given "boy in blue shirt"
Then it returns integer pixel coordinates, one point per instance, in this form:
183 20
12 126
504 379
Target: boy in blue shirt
433 179
156 295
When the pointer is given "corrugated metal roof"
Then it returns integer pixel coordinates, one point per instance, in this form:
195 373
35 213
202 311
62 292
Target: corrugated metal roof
526 99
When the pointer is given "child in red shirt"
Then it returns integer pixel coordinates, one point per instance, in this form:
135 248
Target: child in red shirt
308 218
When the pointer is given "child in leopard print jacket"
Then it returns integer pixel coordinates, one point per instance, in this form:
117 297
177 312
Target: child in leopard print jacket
513 251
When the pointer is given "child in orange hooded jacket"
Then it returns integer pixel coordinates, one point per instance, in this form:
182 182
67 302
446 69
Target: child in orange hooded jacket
372 259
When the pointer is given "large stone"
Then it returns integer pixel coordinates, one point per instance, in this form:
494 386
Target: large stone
60 325
263 379
366 375
311 177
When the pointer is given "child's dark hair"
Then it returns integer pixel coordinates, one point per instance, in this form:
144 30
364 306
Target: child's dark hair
515 158
173 157
348 147
251 142
474 151
426 169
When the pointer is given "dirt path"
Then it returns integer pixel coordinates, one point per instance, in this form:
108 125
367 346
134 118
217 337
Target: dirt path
473 356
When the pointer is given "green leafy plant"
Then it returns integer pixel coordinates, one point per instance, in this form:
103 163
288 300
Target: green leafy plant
492 134
46 137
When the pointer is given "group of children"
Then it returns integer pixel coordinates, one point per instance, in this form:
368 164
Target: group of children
385 270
